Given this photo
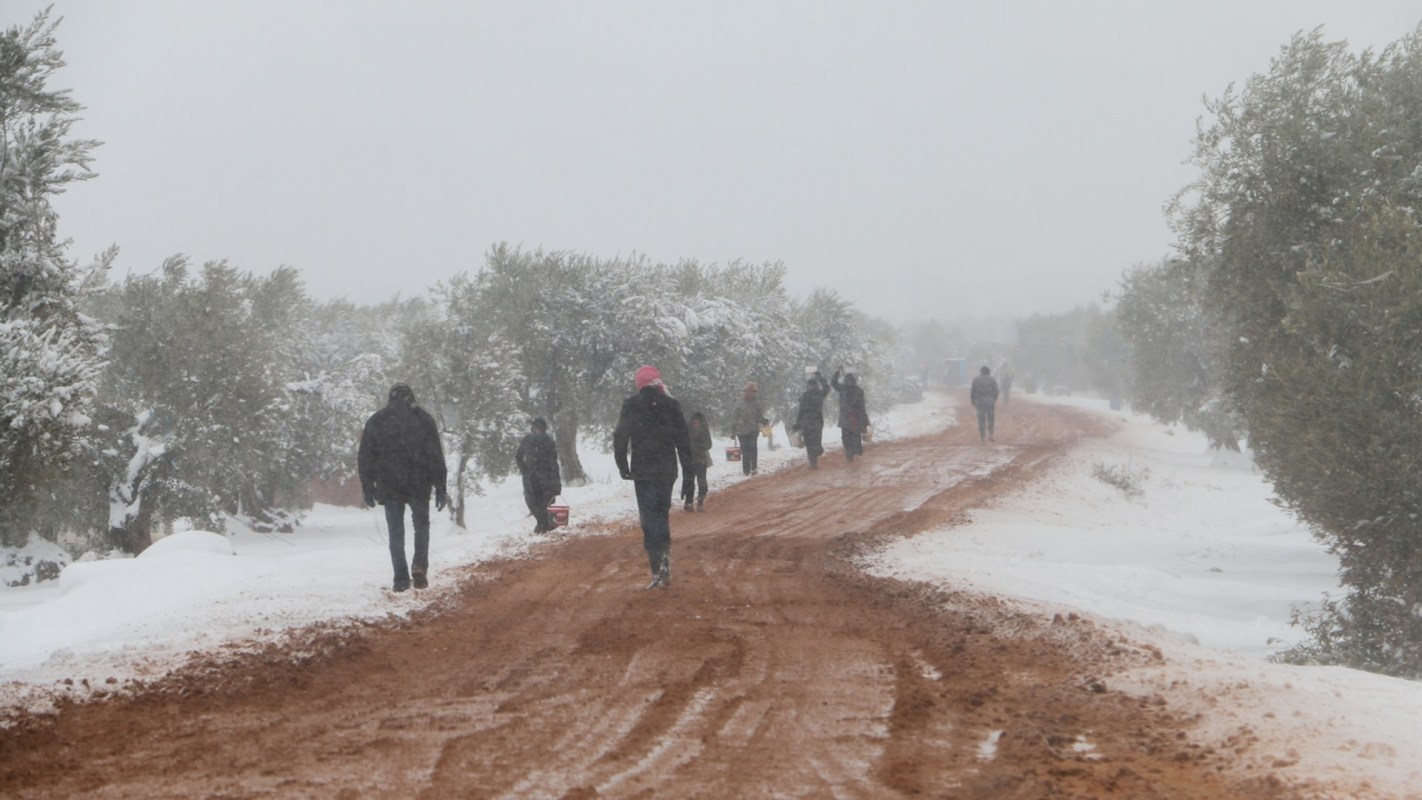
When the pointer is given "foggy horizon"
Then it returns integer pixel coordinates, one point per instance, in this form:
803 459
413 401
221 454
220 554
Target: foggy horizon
922 160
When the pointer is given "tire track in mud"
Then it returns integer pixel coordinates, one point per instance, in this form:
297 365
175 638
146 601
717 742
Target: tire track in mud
772 667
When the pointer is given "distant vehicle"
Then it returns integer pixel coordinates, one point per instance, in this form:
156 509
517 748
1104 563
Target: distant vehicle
905 390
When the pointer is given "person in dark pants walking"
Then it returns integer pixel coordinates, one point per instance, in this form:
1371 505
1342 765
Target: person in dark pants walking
746 419
650 439
399 462
984 397
853 413
810 422
537 460
700 462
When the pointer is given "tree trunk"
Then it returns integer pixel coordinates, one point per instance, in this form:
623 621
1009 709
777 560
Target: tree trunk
136 535
458 499
565 434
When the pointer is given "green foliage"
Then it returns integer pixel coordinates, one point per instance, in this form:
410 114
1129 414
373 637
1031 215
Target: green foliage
1305 226
1176 344
208 371
50 354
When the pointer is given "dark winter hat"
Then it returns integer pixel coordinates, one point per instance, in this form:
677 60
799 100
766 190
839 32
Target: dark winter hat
540 424
401 393
985 370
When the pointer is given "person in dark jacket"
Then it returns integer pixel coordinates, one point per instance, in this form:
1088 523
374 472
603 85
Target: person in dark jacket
984 397
400 461
746 420
853 413
650 439
537 460
810 422
700 460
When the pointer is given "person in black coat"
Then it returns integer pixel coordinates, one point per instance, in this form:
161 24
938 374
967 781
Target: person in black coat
537 460
400 461
853 413
810 422
650 440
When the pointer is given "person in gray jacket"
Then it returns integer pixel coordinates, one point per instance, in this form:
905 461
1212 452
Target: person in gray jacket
984 396
746 419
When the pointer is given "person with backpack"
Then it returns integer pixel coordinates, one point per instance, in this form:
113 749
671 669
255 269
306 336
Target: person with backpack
810 421
983 395
650 439
694 483
537 460
400 461
853 413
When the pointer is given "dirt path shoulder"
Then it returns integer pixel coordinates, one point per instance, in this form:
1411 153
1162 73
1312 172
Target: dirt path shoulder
770 668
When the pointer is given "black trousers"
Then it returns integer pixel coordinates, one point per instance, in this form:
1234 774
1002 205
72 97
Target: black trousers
748 451
853 443
693 485
814 443
537 495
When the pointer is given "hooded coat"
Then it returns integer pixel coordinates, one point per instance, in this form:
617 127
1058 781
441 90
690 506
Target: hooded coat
853 412
537 460
812 406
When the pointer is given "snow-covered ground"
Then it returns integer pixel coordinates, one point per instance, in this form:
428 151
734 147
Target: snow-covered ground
1194 560
1192 557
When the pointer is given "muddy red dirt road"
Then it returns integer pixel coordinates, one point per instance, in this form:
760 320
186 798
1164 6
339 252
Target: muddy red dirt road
770 668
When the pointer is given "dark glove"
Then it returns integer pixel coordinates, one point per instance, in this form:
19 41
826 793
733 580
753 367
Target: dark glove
441 500
370 499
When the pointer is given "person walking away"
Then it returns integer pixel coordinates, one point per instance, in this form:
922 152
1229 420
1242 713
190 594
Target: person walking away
746 420
537 460
984 397
400 460
1005 383
810 421
650 439
853 412
693 484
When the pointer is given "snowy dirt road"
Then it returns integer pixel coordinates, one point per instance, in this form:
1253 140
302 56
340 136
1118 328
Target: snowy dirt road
771 668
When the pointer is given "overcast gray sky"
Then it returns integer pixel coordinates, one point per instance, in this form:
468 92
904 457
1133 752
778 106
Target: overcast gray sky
920 158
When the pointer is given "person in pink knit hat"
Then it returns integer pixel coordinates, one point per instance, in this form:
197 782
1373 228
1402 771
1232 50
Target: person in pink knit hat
650 439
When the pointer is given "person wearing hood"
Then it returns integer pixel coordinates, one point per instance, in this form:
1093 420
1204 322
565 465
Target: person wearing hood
746 420
810 421
399 462
537 460
650 440
853 412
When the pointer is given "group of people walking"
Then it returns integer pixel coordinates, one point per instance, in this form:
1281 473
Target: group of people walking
401 461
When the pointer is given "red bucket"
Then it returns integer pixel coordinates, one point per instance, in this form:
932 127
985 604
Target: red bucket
733 454
558 514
